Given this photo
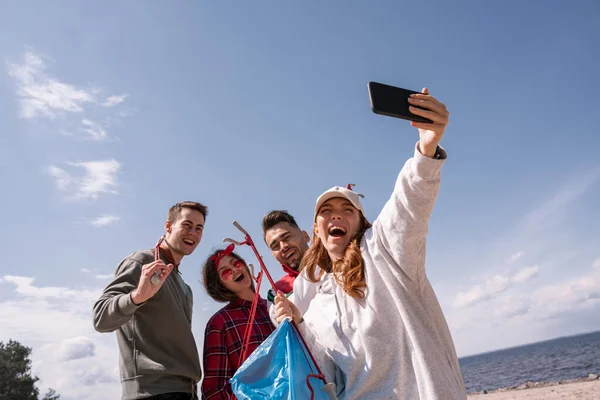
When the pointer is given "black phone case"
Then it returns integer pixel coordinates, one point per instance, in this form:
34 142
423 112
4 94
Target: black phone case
392 101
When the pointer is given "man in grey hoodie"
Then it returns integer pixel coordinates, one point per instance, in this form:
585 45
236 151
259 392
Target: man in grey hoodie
149 306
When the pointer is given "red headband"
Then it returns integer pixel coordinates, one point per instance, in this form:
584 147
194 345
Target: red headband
227 252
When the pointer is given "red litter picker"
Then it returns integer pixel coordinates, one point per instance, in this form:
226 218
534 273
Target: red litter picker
252 380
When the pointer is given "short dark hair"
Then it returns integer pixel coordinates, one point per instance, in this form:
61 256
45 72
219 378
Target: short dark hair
275 217
175 210
211 281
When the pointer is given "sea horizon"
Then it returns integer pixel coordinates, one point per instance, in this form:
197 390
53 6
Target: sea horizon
500 349
558 359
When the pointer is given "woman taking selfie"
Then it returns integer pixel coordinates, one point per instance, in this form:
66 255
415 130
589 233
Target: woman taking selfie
363 296
227 278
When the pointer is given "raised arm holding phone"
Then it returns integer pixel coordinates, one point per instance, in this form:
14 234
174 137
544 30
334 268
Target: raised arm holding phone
363 296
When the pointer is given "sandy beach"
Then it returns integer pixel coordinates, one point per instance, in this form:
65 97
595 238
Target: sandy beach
580 389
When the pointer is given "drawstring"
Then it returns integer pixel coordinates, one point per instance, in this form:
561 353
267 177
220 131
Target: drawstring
248 332
320 374
312 392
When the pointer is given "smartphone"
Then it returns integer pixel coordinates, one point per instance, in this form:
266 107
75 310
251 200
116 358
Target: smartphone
392 101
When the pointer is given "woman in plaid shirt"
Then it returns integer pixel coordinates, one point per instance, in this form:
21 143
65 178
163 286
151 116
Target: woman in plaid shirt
228 279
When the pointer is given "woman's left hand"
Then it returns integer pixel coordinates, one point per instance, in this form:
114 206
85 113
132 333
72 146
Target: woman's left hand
430 133
285 308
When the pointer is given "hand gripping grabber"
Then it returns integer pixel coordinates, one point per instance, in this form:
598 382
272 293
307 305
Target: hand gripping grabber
328 388
155 280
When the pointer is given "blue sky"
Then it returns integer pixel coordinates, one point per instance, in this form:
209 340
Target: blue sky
112 112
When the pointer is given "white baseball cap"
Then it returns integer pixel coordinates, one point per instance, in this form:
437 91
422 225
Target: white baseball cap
344 192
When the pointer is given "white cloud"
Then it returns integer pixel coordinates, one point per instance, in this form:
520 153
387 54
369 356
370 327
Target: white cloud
479 293
529 315
596 264
485 315
535 235
491 287
114 100
525 274
102 277
550 213
470 297
543 232
76 348
97 276
577 293
511 306
24 286
99 177
41 95
94 130
68 355
497 284
515 257
105 220
61 177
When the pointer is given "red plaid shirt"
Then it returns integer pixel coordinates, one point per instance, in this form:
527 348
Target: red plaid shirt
223 344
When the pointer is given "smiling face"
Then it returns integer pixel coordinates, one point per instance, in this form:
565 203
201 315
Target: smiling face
234 275
287 243
184 234
336 224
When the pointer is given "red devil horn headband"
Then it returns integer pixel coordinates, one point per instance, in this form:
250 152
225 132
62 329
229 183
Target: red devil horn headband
227 252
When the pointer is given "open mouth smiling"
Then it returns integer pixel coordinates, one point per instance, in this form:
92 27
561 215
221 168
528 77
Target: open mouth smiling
337 231
289 254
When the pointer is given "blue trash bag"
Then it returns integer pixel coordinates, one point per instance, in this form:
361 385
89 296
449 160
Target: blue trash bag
278 369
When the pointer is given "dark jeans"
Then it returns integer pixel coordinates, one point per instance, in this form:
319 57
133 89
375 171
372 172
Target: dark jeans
173 396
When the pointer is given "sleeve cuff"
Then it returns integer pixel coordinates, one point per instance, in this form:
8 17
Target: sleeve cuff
272 315
126 305
425 167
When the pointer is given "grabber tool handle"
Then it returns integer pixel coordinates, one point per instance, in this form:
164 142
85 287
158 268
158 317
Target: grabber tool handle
329 389
237 225
155 280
